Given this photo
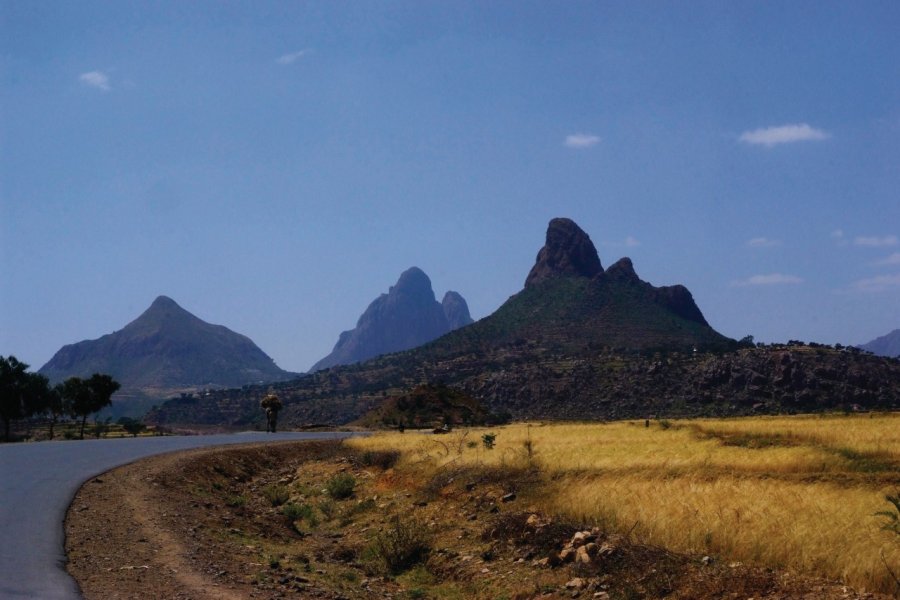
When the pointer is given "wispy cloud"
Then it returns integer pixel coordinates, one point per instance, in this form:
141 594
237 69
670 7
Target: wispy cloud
771 279
876 284
629 242
96 79
893 259
875 241
291 57
783 134
581 140
763 242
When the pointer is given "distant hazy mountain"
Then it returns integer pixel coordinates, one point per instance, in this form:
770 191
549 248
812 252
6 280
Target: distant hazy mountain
165 351
406 317
886 345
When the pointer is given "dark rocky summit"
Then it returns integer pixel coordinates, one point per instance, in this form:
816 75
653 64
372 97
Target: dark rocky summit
406 317
886 345
569 252
167 350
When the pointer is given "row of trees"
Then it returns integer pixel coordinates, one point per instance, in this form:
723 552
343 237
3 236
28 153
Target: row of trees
24 395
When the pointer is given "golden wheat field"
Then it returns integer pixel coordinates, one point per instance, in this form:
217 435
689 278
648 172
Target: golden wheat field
797 493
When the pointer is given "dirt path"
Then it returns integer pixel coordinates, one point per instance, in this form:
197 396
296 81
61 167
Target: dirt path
120 538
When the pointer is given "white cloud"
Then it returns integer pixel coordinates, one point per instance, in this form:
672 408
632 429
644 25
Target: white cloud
893 259
783 134
876 242
762 242
876 284
291 57
96 79
581 140
771 279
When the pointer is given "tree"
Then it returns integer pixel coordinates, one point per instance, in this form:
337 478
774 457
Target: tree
56 406
22 394
132 426
87 396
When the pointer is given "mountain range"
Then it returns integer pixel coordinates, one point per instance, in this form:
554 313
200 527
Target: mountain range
406 317
578 342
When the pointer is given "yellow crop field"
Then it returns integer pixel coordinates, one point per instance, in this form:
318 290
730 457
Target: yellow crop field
797 493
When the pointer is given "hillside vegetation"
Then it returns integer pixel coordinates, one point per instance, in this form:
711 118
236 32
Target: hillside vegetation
797 493
531 380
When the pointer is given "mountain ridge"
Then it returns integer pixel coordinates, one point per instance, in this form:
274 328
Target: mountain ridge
885 345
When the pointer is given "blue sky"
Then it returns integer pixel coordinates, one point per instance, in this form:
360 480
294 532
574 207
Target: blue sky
274 166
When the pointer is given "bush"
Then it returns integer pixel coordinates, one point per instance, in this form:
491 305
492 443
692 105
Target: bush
300 512
276 494
402 545
383 459
236 501
341 486
488 440
892 517
328 508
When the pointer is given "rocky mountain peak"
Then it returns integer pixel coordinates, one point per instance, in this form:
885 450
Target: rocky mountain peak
568 252
456 310
164 351
406 317
164 302
413 283
623 270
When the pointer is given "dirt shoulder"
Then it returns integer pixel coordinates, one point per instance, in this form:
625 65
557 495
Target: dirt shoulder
271 521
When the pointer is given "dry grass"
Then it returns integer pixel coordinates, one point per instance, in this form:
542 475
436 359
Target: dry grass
787 492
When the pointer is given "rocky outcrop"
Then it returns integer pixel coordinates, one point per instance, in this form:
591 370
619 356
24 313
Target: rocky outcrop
568 252
406 317
456 310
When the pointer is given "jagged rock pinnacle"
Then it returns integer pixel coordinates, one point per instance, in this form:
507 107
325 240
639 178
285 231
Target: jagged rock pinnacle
456 310
568 252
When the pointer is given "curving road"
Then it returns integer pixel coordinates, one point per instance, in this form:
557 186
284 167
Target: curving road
37 483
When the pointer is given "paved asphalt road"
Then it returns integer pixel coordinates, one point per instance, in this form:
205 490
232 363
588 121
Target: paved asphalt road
37 483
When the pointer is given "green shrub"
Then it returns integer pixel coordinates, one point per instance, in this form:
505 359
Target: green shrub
488 440
297 512
236 501
892 517
276 494
402 545
341 486
328 508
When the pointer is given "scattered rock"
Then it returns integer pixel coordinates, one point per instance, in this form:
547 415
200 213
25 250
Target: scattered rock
575 584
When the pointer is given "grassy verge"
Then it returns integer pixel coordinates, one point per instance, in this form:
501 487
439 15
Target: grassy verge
798 493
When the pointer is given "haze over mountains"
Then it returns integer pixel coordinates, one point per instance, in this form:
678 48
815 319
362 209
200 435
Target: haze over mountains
406 317
166 351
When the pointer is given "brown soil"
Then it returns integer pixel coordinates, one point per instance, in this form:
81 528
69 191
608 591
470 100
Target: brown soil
204 524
